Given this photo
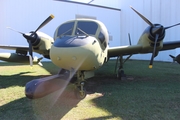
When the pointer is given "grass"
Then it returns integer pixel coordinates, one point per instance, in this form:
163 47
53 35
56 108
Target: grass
145 94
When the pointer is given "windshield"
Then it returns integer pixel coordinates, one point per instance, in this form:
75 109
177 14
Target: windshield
86 27
65 29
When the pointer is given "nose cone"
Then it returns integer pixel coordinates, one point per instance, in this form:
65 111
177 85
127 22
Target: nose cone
74 53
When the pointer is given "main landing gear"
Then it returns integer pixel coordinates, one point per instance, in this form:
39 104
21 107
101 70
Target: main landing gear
120 71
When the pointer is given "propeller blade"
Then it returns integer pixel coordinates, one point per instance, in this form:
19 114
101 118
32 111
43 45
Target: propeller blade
172 26
129 38
40 64
14 30
30 54
30 48
45 22
154 50
39 61
144 18
31 60
172 56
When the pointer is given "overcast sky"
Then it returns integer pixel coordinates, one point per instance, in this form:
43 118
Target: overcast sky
108 3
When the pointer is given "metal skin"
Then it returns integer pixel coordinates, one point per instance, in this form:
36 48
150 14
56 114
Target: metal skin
87 56
43 44
146 41
81 54
82 59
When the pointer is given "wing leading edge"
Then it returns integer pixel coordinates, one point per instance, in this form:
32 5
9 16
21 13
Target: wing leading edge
136 49
124 50
23 48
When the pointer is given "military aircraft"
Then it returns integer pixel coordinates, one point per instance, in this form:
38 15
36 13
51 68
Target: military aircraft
79 47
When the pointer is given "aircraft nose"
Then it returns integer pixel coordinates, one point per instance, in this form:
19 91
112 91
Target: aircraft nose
75 53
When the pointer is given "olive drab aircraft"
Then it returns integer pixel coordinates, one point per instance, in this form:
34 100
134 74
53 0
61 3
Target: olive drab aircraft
79 47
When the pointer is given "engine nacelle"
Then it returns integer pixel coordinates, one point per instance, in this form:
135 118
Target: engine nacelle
43 43
147 39
14 57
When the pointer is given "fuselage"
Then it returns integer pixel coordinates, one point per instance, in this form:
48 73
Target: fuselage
80 44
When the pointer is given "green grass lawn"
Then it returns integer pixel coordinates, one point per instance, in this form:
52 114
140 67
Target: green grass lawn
145 94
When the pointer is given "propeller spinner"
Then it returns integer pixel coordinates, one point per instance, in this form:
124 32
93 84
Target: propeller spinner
157 30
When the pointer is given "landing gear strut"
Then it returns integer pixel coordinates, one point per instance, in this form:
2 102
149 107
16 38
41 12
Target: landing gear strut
80 91
77 78
120 72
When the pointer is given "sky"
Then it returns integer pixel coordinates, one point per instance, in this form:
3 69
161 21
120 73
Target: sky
107 3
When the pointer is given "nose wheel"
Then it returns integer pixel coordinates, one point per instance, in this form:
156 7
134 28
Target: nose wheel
80 91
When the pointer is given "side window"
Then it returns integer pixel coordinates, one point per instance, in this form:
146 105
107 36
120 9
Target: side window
102 39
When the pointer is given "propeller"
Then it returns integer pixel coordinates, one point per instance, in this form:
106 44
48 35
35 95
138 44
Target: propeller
14 30
174 58
157 31
177 58
32 37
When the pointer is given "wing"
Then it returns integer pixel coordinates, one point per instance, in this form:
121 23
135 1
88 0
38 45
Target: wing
22 48
170 45
124 50
136 49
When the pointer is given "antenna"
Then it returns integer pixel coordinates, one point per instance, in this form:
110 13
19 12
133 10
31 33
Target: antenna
90 1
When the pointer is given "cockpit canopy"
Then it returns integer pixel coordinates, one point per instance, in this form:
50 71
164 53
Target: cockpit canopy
83 27
88 27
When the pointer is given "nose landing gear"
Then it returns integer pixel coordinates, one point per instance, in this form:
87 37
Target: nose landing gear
77 78
80 91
